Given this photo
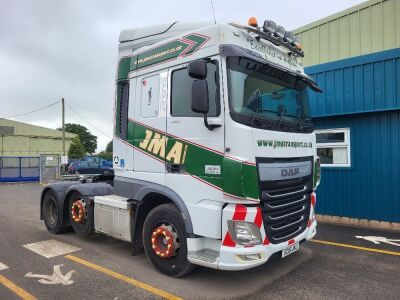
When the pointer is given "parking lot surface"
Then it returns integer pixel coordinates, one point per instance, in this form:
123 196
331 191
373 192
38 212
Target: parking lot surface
341 263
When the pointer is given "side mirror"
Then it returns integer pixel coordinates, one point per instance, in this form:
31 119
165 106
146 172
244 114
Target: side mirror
198 69
200 103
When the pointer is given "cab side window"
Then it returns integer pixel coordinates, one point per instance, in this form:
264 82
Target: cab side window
150 96
181 92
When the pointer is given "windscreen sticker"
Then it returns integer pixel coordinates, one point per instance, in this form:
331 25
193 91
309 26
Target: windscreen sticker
283 144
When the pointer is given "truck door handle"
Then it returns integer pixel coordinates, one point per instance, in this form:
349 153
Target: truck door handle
175 168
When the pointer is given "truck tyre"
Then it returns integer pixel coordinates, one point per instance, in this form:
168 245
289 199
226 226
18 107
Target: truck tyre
50 213
81 214
164 241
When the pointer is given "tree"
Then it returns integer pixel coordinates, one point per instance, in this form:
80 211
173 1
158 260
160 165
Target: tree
88 140
109 147
76 149
105 155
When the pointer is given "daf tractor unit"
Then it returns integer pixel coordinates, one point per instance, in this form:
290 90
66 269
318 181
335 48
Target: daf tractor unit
214 152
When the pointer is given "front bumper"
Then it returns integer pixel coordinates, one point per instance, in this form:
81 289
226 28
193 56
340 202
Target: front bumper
229 258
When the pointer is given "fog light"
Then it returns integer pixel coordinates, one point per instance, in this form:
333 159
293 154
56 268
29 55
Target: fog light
250 257
244 233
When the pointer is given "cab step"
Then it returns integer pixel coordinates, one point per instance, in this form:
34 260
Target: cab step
204 257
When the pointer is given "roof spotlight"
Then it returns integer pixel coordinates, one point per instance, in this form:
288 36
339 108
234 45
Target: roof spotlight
269 26
289 37
280 32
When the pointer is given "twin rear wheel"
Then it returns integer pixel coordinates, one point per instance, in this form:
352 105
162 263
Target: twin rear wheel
81 214
50 213
164 234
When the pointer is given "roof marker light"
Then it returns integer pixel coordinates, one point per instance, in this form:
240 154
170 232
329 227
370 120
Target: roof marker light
252 22
297 42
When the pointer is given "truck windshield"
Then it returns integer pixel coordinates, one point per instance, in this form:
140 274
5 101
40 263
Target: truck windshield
265 97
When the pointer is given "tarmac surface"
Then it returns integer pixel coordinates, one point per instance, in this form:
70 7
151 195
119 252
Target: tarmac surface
335 265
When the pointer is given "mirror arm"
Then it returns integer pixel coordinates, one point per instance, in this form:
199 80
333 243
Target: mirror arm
210 127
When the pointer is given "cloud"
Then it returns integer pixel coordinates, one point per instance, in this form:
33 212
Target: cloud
53 49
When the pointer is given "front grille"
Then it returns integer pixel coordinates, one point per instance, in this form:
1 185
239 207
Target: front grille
286 207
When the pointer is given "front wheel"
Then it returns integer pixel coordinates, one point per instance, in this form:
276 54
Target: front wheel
164 240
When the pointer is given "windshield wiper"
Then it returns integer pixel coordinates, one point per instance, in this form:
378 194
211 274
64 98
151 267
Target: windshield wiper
254 116
280 112
267 123
301 119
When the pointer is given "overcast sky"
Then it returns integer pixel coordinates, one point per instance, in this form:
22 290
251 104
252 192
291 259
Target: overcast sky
51 49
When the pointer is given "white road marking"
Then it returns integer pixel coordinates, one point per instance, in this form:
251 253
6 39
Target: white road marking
56 278
51 248
379 239
3 266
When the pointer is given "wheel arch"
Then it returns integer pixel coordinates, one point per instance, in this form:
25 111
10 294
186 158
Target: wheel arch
148 191
139 190
149 200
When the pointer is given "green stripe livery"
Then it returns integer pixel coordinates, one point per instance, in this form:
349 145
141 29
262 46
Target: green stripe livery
185 46
236 178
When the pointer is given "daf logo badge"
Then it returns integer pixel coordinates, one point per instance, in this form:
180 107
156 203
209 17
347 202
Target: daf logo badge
290 172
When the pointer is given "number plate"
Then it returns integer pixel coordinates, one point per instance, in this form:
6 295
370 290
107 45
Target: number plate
290 249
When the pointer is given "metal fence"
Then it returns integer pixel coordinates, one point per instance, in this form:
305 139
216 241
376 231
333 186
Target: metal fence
49 167
16 169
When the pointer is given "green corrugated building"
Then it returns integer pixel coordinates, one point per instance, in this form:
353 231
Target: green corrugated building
21 139
369 27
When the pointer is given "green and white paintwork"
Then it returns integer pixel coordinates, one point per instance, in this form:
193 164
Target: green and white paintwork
219 165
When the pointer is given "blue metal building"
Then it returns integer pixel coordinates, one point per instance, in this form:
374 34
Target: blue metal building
363 95
357 118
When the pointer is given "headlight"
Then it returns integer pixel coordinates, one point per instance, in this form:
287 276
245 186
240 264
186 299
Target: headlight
244 233
317 173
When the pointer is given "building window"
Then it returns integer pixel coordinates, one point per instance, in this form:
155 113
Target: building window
333 147
181 96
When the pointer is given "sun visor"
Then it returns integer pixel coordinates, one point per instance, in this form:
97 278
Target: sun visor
229 50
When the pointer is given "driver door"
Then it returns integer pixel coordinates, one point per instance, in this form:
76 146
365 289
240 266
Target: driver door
194 153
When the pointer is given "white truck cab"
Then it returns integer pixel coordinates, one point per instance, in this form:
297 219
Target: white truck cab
214 152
